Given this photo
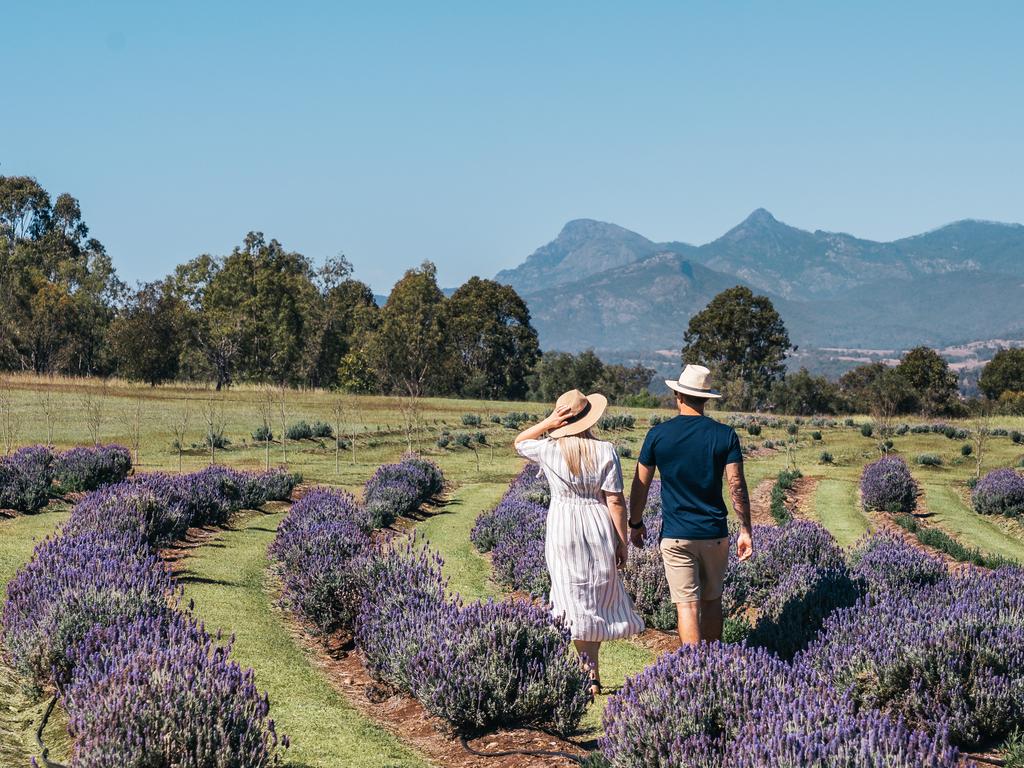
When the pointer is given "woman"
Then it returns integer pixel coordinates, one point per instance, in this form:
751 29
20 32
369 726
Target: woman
587 524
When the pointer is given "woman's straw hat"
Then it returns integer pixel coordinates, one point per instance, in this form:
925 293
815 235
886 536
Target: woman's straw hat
694 381
584 411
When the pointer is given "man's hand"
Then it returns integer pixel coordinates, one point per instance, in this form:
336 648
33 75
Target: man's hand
744 545
637 536
621 554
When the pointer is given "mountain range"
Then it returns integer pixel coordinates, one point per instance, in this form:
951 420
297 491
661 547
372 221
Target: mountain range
602 286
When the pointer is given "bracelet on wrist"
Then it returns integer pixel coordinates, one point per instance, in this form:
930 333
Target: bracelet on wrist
637 526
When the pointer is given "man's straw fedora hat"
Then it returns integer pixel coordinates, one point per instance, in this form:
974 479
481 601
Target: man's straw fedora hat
584 412
694 381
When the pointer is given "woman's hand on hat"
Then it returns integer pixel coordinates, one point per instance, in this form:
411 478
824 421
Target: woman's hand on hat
559 417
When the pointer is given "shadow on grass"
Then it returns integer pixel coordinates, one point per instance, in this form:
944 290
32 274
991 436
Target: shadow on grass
188 578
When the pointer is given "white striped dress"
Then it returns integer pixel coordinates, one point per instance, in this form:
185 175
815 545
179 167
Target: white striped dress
580 546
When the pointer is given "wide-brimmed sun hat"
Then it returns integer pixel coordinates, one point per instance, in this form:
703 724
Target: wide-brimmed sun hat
694 381
584 412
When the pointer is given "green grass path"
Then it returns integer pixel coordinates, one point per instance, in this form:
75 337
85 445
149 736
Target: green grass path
19 715
836 508
227 580
951 513
469 575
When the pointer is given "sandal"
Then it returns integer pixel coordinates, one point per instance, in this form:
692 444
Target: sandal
595 686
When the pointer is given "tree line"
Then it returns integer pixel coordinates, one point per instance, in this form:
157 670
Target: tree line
743 339
263 313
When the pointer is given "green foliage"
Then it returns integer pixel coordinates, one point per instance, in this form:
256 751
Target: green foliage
1013 750
966 449
792 429
491 341
928 374
558 372
867 429
624 451
742 339
300 430
321 429
753 430
929 460
640 400
803 394
470 420
262 434
826 458
1003 373
612 422
816 435
784 482
656 419
937 539
215 438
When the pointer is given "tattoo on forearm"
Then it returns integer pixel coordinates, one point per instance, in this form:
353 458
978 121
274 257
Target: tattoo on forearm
740 496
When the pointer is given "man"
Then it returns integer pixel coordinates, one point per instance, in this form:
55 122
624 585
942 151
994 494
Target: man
691 451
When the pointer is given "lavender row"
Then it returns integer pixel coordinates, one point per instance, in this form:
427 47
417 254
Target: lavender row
477 665
97 616
29 474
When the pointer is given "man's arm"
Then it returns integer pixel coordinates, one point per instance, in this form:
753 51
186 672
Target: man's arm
741 505
638 502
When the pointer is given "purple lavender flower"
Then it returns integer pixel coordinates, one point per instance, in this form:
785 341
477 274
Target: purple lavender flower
1000 492
886 563
887 485
25 478
86 469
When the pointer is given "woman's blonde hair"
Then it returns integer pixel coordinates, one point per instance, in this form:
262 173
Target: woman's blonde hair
578 452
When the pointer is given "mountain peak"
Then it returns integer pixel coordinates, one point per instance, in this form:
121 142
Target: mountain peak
760 216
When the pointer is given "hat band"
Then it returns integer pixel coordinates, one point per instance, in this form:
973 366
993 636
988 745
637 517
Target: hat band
583 412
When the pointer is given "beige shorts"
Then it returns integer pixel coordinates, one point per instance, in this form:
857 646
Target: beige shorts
695 568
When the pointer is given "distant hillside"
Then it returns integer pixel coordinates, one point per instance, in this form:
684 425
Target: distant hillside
599 285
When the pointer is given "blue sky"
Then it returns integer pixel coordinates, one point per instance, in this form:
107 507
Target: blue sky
469 133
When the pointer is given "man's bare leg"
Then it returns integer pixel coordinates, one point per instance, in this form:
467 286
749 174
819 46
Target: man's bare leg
711 619
688 615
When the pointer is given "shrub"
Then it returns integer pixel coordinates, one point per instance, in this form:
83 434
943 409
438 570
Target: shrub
25 478
815 435
624 451
946 658
161 691
929 460
1017 437
902 429
785 481
86 469
398 490
300 430
325 567
792 429
470 420
849 422
73 583
493 664
1000 492
887 564
444 441
610 422
754 430
321 429
403 603
656 419
514 420
262 434
826 457
495 419
887 485
217 439
768 444
966 449
867 429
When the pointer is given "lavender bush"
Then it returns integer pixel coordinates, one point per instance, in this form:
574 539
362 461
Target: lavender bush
885 563
25 478
886 485
1000 492
399 490
86 469
950 656
491 664
721 706
402 606
161 691
72 583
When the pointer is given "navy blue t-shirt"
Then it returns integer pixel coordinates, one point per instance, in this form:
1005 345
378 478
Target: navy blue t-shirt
691 452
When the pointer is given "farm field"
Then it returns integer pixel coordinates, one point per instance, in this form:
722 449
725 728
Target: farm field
228 574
